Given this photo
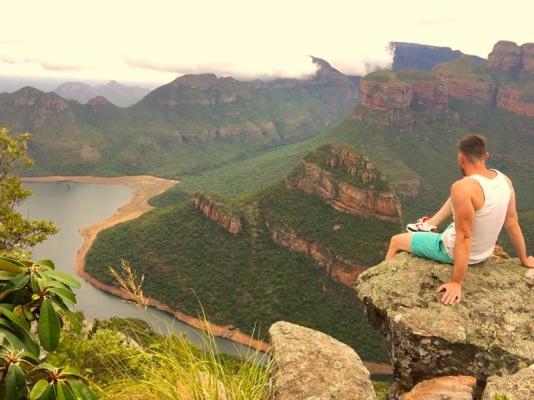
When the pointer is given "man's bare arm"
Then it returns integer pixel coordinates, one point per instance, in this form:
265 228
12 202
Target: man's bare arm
463 222
444 212
513 229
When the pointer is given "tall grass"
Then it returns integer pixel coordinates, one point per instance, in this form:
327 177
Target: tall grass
170 367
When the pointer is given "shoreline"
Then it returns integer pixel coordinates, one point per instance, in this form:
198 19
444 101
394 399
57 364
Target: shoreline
145 187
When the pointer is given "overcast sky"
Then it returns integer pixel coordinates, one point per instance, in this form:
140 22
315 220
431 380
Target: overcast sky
156 40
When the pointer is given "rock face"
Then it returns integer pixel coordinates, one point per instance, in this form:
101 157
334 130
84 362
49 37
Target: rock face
467 81
518 386
490 332
513 99
218 212
443 388
389 91
384 96
335 267
510 57
362 193
506 56
312 365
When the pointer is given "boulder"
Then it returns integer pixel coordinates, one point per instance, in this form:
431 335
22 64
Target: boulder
308 364
490 332
444 388
518 386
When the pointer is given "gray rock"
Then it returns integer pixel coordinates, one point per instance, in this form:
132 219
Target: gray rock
312 365
518 386
490 332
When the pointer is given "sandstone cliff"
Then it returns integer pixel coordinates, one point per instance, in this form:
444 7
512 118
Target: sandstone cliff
347 181
510 57
489 333
387 90
218 211
335 267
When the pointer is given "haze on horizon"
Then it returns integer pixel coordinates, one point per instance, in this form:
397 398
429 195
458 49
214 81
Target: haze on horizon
158 40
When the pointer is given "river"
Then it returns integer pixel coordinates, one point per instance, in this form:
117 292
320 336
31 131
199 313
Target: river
75 205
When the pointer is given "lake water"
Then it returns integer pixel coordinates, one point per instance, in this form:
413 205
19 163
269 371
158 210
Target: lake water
74 205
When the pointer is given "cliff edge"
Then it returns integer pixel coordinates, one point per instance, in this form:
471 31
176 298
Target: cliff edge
491 332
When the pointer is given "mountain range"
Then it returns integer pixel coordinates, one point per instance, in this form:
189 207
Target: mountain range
288 188
193 123
113 91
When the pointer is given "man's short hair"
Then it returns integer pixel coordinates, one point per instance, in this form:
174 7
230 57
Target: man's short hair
473 146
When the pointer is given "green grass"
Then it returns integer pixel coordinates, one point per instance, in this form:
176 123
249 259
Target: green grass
125 360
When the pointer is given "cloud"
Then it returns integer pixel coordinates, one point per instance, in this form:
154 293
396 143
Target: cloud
46 65
218 68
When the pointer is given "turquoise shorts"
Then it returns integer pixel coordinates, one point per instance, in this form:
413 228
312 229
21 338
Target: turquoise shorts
429 245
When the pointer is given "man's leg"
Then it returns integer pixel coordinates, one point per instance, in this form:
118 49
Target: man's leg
398 243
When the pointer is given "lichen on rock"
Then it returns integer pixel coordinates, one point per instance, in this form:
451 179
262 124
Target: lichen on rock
312 365
490 332
518 386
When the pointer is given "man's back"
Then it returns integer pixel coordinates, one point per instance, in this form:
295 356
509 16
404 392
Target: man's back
491 197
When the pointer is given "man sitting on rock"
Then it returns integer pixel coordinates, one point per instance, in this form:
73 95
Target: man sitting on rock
481 203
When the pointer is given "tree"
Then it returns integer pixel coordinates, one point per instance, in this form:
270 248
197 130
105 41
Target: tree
17 234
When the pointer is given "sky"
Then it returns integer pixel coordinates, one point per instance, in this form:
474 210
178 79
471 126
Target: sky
155 41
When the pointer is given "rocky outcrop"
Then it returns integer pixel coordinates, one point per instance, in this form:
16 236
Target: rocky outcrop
513 99
444 388
490 332
308 364
336 268
463 81
361 191
518 386
506 55
510 57
527 57
434 94
385 96
389 91
218 212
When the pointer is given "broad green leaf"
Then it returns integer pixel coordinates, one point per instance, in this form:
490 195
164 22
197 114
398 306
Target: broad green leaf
64 392
6 276
39 389
18 282
45 262
62 277
15 342
21 323
15 387
72 317
65 294
11 265
81 390
49 328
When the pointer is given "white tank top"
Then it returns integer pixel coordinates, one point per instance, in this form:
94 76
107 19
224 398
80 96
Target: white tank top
488 220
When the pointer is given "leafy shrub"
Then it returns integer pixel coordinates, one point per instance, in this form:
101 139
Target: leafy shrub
35 305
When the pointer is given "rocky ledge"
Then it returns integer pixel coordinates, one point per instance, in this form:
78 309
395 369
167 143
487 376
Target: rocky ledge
218 211
347 181
510 57
312 365
491 332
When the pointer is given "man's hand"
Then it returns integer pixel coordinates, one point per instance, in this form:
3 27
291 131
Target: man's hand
528 262
453 293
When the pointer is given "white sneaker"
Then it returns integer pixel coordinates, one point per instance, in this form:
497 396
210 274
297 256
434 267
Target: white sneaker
422 225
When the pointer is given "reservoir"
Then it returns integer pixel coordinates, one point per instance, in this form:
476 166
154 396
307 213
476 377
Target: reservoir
72 206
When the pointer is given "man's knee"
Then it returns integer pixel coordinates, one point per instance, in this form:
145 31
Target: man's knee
401 241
